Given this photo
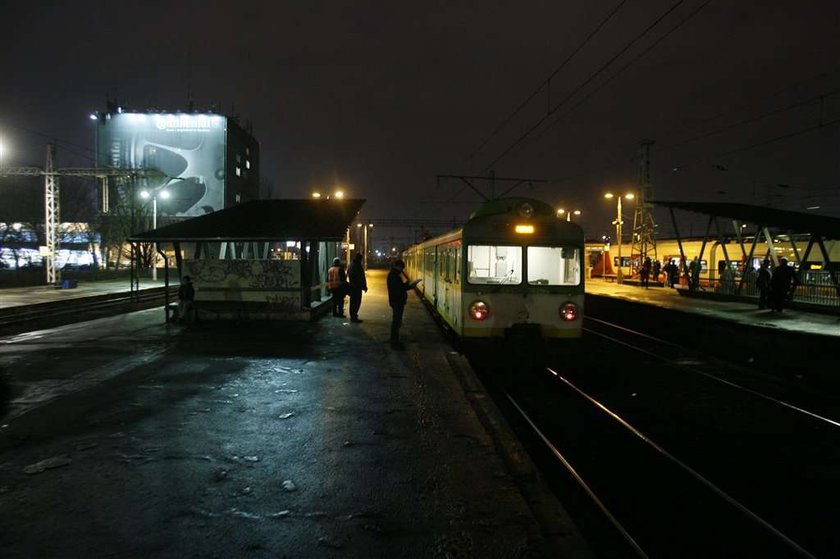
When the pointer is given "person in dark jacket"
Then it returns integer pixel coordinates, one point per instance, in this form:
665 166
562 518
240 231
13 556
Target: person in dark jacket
186 296
762 281
358 283
397 297
782 285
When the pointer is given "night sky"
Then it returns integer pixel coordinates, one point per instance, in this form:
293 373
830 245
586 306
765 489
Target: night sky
381 97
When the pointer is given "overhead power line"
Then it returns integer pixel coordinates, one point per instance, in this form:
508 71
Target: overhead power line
546 83
595 74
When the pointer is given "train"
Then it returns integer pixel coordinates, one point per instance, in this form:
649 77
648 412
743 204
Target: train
513 271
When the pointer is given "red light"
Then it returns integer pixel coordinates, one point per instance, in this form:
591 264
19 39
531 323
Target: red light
568 311
479 310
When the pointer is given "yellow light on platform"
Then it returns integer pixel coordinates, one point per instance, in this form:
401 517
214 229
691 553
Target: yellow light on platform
524 229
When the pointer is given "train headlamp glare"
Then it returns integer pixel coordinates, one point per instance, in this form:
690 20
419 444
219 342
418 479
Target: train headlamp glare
524 229
568 311
479 310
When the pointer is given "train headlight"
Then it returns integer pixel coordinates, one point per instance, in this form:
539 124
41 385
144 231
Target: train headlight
479 310
568 311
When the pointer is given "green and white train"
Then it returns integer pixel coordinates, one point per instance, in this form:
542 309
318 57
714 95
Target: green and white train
514 270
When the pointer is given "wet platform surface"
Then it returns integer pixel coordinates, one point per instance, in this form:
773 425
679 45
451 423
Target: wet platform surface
743 313
140 439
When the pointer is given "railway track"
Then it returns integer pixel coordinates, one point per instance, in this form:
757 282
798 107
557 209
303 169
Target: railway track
666 453
15 320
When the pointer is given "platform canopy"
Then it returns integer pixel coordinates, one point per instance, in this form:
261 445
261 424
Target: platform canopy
263 220
801 222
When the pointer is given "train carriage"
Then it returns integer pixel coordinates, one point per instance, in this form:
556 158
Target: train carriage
514 270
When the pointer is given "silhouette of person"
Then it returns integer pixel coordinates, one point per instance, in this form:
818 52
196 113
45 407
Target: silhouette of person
358 283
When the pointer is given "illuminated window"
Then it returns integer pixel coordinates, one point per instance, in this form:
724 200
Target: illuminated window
490 264
553 266
238 172
247 164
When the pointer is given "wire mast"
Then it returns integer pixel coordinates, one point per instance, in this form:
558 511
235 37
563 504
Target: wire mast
51 205
644 226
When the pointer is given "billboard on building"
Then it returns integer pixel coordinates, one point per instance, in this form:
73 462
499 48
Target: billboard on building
189 149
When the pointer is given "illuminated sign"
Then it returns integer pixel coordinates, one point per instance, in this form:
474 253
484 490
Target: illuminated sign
187 148
524 229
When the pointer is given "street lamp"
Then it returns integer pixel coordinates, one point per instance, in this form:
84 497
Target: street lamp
568 213
163 195
618 222
366 226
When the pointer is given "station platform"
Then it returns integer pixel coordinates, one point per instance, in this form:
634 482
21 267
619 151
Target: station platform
264 440
737 312
25 296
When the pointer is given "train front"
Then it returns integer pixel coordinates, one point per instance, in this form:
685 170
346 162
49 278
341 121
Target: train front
524 277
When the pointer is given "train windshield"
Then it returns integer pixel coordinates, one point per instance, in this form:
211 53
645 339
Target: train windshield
553 266
492 264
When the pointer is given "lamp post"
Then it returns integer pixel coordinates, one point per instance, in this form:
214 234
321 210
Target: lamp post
618 222
163 195
365 227
338 195
567 213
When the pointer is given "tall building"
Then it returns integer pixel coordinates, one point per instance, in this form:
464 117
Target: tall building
207 161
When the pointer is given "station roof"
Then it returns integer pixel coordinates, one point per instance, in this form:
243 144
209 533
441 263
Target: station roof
799 222
264 220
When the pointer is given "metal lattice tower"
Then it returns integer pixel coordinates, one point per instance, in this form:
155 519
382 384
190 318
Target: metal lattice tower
51 205
644 226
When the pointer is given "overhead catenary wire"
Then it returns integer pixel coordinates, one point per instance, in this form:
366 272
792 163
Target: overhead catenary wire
586 82
546 82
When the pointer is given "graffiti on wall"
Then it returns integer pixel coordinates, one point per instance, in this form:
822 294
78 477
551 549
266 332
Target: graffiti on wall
245 274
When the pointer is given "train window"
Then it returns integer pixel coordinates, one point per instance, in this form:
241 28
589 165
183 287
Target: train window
490 264
553 266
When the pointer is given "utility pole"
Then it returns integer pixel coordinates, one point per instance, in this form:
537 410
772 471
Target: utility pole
644 226
52 213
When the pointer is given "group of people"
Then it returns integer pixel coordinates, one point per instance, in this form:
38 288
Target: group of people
775 287
353 282
342 283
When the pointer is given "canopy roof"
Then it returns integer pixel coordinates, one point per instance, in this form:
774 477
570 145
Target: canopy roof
264 220
798 222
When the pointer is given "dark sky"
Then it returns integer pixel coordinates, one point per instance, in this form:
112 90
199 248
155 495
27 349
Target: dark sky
380 97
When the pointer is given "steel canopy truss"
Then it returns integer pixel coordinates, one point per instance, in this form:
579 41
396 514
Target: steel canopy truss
793 222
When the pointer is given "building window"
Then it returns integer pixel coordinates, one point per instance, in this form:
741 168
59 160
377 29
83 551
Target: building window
238 198
238 172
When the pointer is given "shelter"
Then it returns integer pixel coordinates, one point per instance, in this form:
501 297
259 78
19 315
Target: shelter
819 275
266 258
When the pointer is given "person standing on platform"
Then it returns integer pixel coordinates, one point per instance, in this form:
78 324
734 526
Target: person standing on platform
186 296
397 298
673 273
337 284
694 275
644 273
358 283
762 282
782 284
657 267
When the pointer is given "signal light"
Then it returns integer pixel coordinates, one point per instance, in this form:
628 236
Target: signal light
568 311
479 310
